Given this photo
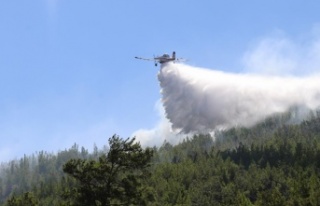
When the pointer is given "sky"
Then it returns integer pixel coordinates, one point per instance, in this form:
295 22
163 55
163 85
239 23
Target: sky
68 73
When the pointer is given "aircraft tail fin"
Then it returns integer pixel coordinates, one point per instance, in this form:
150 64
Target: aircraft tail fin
174 55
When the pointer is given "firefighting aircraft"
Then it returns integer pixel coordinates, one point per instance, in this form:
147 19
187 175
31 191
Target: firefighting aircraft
162 59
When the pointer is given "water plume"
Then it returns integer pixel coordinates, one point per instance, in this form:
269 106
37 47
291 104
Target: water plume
202 100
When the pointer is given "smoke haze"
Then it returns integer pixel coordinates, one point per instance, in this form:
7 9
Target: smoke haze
161 132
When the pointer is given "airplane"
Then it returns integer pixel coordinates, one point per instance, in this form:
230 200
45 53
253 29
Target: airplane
162 59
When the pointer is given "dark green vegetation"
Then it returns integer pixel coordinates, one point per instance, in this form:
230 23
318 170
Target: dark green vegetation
272 163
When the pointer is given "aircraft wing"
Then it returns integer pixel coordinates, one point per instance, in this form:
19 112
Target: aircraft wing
145 59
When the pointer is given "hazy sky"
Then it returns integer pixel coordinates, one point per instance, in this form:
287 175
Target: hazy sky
67 67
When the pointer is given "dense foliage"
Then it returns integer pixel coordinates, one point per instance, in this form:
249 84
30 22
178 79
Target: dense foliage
115 178
271 163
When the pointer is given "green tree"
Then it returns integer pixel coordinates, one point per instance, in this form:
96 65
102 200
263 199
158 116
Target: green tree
115 178
27 199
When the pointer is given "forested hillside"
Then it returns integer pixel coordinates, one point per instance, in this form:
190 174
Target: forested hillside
271 163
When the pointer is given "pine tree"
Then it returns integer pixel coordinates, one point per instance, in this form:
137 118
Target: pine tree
115 178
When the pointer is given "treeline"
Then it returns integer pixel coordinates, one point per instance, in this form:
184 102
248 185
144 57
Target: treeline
271 163
40 173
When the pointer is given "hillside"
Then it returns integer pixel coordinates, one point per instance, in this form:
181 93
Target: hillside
271 163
